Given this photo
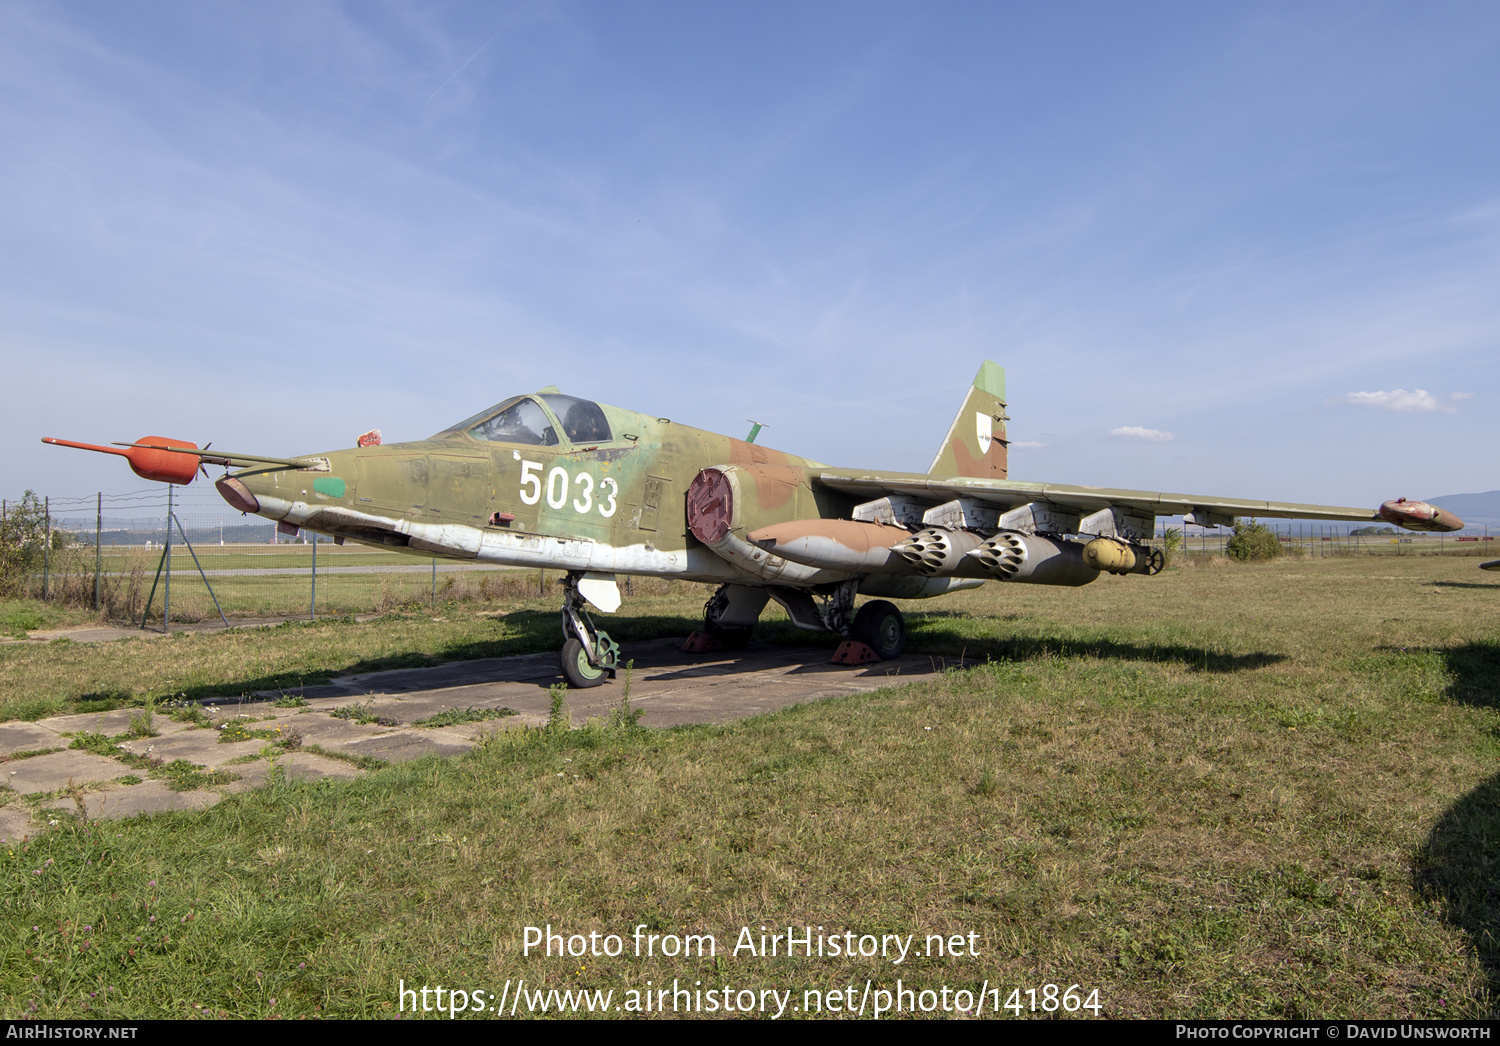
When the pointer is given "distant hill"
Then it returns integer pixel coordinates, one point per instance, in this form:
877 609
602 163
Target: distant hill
1476 510
138 532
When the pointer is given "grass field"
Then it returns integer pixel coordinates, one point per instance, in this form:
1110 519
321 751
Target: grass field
1253 791
255 581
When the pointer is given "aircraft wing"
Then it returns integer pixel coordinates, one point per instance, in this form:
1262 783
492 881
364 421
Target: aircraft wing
1006 495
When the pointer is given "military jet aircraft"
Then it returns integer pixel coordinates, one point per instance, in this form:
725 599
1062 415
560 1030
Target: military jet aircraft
552 480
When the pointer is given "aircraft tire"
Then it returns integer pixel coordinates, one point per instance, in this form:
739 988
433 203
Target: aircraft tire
881 627
576 668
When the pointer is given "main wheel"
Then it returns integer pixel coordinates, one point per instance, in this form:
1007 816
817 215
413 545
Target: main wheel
880 626
576 668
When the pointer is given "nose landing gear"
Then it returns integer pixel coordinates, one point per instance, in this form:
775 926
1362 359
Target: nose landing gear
589 656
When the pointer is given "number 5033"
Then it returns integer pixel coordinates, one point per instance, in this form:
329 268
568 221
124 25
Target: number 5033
559 485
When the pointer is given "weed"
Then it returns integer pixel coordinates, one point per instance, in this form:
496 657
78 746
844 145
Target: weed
20 621
190 713
623 717
363 715
95 743
235 730
182 775
364 762
458 716
141 723
558 719
28 754
987 785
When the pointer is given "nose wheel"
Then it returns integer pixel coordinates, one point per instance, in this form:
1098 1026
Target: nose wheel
589 656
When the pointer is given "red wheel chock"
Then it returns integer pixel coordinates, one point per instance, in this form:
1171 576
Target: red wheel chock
853 652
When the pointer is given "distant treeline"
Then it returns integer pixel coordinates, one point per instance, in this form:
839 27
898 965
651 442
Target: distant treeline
233 534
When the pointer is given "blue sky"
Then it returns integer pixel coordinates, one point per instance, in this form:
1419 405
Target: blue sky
1238 249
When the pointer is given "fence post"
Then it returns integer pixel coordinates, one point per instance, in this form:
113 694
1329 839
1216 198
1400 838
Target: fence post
98 528
46 543
312 608
166 599
432 601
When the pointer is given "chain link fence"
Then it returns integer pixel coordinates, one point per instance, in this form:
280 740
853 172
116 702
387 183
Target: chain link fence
1337 539
168 554
172 554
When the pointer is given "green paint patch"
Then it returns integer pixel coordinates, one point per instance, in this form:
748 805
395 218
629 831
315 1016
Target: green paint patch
991 379
330 485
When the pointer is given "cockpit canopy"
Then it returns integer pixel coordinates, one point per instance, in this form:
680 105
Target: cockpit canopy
521 419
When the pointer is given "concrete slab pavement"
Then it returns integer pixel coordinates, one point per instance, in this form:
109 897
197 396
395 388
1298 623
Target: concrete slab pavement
667 686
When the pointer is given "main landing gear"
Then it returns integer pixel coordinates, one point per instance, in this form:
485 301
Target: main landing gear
589 656
881 627
877 632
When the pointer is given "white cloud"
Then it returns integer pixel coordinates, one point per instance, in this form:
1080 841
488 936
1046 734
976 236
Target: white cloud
1136 432
1400 400
1460 395
1027 444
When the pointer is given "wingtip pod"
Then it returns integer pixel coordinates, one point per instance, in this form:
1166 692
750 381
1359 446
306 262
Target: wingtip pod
1418 515
163 466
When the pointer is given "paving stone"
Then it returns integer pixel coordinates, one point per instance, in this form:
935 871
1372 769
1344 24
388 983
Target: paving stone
406 745
667 686
108 723
27 737
16 823
321 729
251 777
148 797
457 673
306 766
202 747
298 766
408 708
48 773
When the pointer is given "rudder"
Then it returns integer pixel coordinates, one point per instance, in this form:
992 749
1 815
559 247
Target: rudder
976 445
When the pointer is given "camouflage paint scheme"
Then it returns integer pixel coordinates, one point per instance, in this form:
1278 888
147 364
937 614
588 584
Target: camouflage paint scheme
618 505
629 493
613 506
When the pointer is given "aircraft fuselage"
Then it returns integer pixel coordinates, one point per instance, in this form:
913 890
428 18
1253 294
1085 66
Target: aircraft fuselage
609 505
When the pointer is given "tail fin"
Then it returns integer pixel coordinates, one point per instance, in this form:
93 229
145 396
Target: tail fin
976 445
